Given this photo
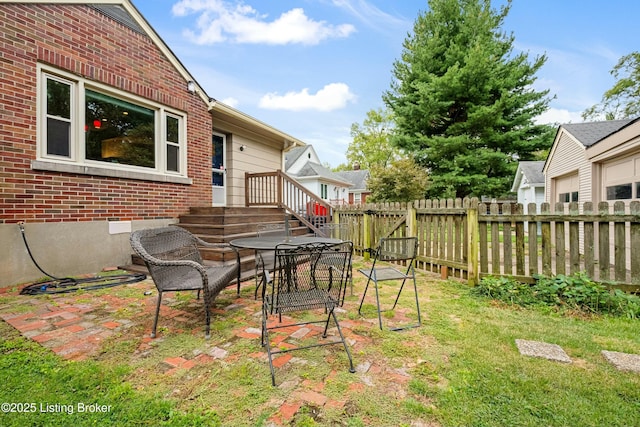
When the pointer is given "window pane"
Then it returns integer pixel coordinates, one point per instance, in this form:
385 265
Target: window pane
172 158
619 192
217 157
118 131
172 130
574 196
217 179
58 137
58 99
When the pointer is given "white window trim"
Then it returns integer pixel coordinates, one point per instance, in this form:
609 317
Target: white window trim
77 163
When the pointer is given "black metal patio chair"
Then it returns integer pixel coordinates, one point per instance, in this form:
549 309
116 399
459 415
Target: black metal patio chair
307 278
174 261
396 250
338 231
265 260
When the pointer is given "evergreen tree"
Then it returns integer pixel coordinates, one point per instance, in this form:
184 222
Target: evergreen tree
463 100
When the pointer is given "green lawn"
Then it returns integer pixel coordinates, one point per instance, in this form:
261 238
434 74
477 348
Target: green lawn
463 365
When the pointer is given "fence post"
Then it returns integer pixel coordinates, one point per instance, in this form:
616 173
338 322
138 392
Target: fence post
412 221
474 245
366 234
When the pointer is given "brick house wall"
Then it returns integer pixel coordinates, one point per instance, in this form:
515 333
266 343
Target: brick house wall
68 214
79 39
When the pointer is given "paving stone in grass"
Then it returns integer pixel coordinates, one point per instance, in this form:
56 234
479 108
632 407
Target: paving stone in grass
543 350
623 361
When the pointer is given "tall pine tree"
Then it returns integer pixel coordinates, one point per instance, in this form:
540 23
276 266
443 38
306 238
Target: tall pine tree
463 100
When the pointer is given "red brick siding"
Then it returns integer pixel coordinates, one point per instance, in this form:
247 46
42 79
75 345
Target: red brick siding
80 40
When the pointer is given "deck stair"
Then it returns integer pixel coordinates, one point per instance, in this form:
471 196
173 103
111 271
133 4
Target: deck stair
223 224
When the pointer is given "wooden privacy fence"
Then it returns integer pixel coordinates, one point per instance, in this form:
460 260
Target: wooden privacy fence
469 240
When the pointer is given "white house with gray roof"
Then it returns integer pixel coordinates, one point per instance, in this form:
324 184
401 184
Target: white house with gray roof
528 183
303 165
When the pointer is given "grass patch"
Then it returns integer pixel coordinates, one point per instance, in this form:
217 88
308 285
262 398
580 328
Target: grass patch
461 368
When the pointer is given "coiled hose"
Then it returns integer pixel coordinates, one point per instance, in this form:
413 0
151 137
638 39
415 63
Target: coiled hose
59 285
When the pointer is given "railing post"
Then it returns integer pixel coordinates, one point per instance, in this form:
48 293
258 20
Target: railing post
474 245
279 188
247 190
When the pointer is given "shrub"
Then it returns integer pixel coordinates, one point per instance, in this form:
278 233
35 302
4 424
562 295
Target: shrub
576 293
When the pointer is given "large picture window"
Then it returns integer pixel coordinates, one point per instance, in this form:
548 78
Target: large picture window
86 124
118 131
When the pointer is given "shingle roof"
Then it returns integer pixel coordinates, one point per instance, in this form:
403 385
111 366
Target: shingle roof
311 169
292 155
533 171
591 133
356 177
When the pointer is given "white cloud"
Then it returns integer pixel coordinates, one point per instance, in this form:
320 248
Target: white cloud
220 21
331 97
559 116
231 102
371 15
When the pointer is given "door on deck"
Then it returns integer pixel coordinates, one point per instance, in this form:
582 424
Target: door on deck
219 170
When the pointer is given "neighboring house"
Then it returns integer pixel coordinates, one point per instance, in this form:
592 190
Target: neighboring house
595 161
528 183
303 165
105 131
358 192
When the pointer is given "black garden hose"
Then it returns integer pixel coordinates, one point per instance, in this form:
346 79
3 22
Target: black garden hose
69 284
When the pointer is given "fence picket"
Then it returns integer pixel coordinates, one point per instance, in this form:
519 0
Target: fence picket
620 253
603 242
589 236
473 239
634 233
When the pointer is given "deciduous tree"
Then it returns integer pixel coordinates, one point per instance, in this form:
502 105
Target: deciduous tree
622 101
401 181
370 146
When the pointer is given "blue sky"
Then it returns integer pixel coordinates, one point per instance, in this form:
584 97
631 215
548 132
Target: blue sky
312 68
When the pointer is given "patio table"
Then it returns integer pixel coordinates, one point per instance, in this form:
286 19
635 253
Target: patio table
266 243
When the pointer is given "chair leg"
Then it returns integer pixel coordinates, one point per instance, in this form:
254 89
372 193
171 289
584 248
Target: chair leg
415 292
399 292
155 321
344 342
364 294
267 344
375 284
207 311
259 283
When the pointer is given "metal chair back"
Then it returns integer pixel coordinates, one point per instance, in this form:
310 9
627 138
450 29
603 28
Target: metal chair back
308 277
